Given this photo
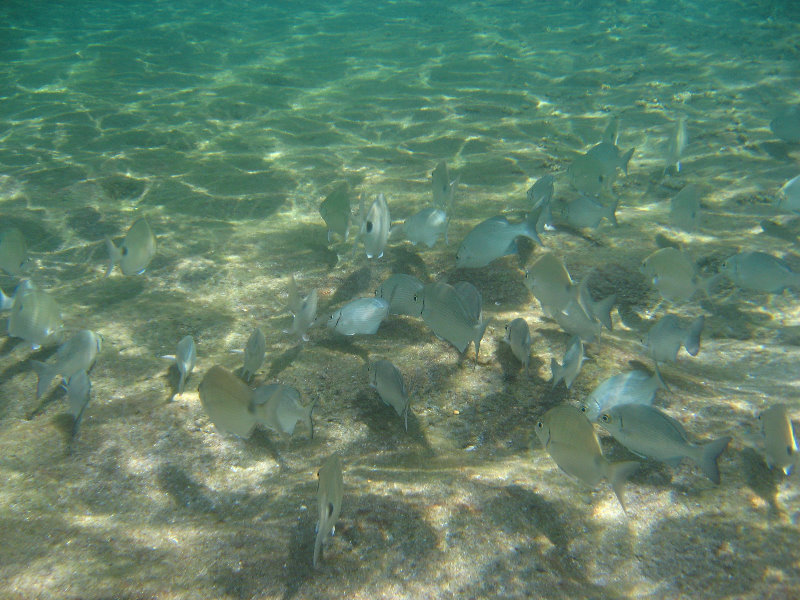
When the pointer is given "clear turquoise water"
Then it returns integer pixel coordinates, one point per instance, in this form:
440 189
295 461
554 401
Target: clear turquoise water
226 124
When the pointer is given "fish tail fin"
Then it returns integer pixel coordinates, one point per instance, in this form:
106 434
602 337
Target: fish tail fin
530 226
709 453
5 301
294 296
617 475
626 159
480 329
405 417
317 549
692 341
45 374
602 310
558 372
310 419
114 255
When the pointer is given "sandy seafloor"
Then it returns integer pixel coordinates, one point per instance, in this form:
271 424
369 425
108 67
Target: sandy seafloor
226 124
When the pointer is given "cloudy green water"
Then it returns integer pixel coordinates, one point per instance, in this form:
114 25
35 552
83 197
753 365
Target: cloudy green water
225 124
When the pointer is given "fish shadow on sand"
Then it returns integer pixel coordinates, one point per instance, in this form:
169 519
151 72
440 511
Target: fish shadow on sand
407 261
513 370
172 378
184 490
384 422
284 360
45 401
345 345
761 479
353 285
261 439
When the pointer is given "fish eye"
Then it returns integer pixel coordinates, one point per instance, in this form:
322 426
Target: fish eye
540 424
369 226
124 251
600 178
605 418
583 408
416 297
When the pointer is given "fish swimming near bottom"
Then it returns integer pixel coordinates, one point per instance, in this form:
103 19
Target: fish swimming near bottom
254 352
399 291
227 401
518 337
648 432
494 238
571 365
13 252
304 310
571 441
667 336
136 251
359 316
278 407
185 359
760 272
329 501
79 391
779 441
426 226
631 387
35 316
78 353
388 381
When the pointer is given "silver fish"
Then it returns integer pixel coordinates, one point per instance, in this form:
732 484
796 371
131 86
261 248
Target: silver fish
666 337
6 302
443 187
335 210
760 272
574 319
399 291
444 311
35 316
227 401
789 196
136 250
595 171
375 227
611 133
304 311
471 298
362 315
571 365
779 441
550 282
786 125
518 337
597 311
79 390
588 212
388 381
254 352
13 252
631 387
648 432
673 274
611 157
185 360
571 441
426 226
777 230
77 354
278 407
329 501
494 238
685 211
540 198
677 144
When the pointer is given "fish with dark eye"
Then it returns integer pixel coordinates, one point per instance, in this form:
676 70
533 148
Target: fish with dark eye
651 433
13 251
35 316
359 316
631 387
254 352
399 291
329 501
136 251
760 272
571 441
494 238
387 380
335 210
77 354
779 441
426 226
518 337
667 336
375 227
278 407
674 275
571 365
585 211
304 310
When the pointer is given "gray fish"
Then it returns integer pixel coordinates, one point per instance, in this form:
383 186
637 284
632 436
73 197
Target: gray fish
648 432
779 442
584 211
444 311
631 387
375 227
550 283
329 501
574 319
443 187
673 274
13 252
492 239
278 407
597 311
79 390
777 230
540 198
786 125
399 291
185 359
595 171
136 250
611 133
685 211
388 381
571 365
77 354
789 196
426 226
666 337
303 309
6 302
335 210
611 157
518 337
677 144
362 315
471 298
254 352
227 401
35 316
571 441
760 272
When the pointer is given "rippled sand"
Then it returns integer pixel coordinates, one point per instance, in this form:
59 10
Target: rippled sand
226 126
